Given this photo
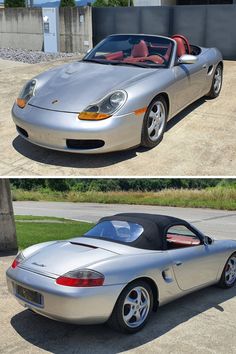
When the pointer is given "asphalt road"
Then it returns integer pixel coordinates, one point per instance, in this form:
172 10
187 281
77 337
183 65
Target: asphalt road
200 141
201 323
216 223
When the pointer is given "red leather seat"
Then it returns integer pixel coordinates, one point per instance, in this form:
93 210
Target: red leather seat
183 46
182 241
115 56
140 53
140 50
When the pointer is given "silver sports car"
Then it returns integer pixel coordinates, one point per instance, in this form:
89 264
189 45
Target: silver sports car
120 271
120 95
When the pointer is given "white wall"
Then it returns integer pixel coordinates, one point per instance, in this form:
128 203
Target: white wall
147 2
23 28
154 2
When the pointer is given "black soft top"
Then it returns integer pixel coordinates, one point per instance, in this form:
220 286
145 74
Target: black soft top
154 226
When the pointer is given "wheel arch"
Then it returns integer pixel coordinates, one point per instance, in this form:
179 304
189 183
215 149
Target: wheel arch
221 64
153 287
221 270
166 98
155 291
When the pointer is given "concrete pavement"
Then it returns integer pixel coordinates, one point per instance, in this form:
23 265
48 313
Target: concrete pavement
200 141
216 223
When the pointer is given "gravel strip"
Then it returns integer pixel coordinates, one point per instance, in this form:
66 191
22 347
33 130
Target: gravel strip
32 57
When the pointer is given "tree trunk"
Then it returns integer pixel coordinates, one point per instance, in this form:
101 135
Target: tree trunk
8 239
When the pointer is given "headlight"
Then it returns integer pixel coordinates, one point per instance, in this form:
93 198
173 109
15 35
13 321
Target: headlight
104 108
26 94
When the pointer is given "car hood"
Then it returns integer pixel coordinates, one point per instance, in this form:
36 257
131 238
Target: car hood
64 256
71 88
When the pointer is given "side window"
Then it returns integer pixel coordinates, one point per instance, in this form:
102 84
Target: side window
179 236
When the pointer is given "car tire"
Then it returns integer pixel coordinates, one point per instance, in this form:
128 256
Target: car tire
228 276
216 82
156 115
124 317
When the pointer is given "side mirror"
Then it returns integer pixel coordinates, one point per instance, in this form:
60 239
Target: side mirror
187 59
208 240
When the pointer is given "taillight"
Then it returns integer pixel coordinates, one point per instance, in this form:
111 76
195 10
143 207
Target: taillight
19 258
81 278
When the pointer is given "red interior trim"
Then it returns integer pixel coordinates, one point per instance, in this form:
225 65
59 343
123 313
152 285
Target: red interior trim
180 240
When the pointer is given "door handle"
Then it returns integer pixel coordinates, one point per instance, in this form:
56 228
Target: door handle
178 263
204 66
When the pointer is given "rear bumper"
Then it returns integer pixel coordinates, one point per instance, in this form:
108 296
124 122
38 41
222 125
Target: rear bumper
52 129
62 303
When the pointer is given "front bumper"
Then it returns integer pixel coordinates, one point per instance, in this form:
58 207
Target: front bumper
53 130
63 303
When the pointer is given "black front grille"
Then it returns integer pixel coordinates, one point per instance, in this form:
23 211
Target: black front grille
84 144
22 131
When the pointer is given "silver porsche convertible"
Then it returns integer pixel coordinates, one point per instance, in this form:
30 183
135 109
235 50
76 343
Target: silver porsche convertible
120 271
120 95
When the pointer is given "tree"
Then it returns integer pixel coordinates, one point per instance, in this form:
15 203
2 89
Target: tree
14 3
57 184
67 3
28 183
7 230
113 3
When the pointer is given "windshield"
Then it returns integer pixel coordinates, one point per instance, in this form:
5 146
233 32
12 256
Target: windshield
116 230
139 50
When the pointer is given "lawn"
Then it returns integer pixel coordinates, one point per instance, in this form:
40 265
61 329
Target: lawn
223 198
34 229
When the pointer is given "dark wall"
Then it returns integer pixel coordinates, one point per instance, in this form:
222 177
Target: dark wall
203 2
204 25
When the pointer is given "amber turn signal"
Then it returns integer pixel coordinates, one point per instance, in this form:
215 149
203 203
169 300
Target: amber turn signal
92 116
21 102
140 111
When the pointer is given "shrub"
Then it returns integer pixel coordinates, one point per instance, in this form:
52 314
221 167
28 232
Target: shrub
112 3
14 3
59 185
67 3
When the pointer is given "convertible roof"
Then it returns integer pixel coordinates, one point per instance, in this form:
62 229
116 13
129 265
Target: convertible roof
157 218
154 228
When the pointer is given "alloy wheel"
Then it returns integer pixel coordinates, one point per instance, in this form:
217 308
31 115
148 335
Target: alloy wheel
136 307
217 79
230 271
156 120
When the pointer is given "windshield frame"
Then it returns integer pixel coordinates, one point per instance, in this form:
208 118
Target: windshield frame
171 62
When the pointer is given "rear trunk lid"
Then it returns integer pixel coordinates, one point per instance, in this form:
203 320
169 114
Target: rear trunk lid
64 256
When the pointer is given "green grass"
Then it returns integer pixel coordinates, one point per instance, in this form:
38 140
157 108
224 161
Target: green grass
30 233
49 218
221 197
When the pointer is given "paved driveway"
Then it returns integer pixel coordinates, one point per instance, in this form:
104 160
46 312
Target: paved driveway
199 141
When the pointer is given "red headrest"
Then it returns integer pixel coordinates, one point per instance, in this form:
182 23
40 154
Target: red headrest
140 50
183 46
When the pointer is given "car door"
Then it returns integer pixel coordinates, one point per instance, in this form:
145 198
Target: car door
194 263
190 83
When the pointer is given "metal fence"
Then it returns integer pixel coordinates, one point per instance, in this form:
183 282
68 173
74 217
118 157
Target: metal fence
204 25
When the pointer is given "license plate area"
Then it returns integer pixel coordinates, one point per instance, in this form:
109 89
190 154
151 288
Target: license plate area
30 296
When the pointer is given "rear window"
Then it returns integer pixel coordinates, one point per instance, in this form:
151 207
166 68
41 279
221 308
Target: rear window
116 230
